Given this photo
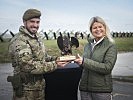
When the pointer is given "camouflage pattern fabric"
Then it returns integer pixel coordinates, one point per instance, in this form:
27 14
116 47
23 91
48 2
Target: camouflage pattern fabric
29 58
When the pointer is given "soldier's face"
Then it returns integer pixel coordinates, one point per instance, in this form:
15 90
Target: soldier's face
32 25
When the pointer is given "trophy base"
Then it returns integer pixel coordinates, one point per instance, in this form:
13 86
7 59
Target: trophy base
67 58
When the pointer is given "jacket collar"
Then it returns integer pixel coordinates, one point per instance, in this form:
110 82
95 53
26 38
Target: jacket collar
92 40
23 30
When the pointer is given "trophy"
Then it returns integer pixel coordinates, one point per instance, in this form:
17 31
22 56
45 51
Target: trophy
66 44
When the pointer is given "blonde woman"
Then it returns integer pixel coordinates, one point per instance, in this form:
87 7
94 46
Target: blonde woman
98 60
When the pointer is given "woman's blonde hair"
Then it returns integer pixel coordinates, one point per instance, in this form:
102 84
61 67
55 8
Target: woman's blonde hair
100 20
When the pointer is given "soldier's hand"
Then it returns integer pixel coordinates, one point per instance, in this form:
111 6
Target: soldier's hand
61 63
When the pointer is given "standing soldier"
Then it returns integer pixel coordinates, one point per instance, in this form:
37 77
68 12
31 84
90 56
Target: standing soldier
30 60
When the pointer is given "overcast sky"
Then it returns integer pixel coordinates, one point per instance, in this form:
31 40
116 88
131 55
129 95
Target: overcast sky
68 14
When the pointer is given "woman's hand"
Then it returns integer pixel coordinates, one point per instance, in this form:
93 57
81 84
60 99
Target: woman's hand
78 59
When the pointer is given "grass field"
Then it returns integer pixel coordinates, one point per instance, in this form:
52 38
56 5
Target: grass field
123 45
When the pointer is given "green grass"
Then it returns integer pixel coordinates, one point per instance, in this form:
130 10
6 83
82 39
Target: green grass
123 45
51 47
4 57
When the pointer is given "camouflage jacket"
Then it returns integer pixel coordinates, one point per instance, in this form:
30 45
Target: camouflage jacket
30 59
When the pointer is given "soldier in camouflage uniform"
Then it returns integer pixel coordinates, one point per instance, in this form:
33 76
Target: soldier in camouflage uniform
30 60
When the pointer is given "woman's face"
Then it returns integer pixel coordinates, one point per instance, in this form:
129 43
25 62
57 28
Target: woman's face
98 30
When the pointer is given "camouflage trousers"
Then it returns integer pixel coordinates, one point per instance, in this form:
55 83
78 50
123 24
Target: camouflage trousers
31 95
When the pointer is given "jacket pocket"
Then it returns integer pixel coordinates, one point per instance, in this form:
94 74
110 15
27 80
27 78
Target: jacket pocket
97 80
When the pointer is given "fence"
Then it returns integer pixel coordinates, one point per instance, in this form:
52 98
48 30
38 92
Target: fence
53 35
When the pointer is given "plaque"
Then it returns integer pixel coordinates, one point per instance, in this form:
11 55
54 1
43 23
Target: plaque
66 58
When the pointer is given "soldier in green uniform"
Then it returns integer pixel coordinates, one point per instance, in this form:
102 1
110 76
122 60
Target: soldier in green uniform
30 60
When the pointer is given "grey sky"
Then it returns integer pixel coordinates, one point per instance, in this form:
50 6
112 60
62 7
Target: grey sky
68 14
